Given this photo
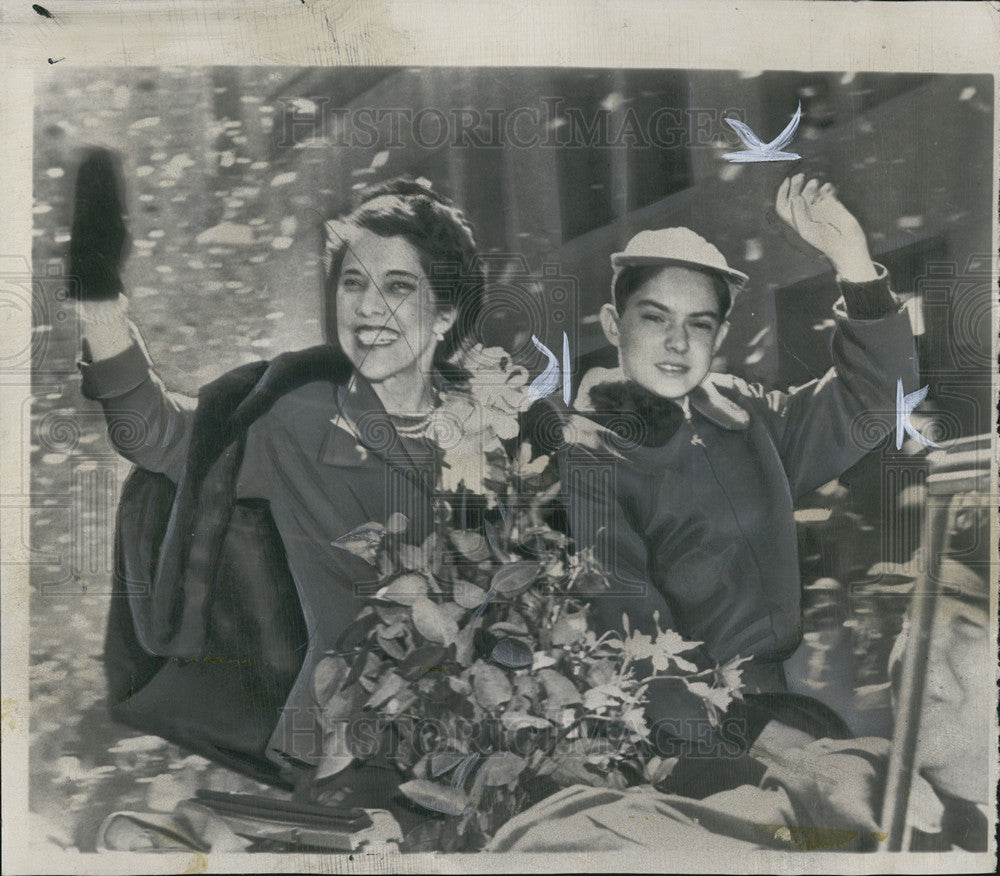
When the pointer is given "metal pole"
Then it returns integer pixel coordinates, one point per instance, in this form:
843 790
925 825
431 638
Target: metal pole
914 671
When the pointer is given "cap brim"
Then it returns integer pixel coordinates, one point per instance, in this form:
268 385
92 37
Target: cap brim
621 260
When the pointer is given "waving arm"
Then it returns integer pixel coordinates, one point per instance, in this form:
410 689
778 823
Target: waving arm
147 425
815 426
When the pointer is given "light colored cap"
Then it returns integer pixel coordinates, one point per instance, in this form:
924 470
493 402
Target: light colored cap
675 246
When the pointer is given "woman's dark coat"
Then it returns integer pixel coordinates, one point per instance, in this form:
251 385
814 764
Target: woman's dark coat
211 642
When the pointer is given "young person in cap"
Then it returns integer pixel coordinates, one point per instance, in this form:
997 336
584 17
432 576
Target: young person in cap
696 526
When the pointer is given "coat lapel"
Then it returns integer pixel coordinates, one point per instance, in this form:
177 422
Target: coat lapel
361 418
708 400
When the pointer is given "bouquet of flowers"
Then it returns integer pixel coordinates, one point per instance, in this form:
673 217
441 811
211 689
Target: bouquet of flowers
475 667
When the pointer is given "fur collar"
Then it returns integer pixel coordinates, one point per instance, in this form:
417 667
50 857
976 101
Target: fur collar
603 391
634 413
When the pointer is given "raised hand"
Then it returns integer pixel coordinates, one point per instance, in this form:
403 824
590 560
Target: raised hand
99 239
816 214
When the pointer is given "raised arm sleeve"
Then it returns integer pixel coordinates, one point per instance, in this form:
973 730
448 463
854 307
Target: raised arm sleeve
826 426
146 424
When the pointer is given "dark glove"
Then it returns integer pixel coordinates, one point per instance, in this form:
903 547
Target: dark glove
99 241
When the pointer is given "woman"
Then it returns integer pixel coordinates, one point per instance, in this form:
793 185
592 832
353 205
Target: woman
235 588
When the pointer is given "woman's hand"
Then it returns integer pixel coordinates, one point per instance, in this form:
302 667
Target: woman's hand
97 250
99 239
822 221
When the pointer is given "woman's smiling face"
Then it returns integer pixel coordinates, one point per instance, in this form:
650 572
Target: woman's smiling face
669 331
388 322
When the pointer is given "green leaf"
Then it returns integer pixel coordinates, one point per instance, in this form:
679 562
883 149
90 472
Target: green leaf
358 666
569 628
399 703
452 610
421 660
614 691
659 769
560 691
432 623
336 756
512 654
465 642
595 699
519 720
357 630
468 595
527 691
425 837
391 647
329 674
471 545
405 589
389 685
569 763
412 557
394 630
514 578
397 523
438 798
363 541
390 613
339 709
543 660
490 685
464 768
514 625
601 672
502 768
459 685
445 761
527 686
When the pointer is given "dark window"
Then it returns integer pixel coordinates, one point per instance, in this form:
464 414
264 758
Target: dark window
804 316
825 97
615 157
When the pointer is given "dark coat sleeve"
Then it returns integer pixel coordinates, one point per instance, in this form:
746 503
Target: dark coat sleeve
824 427
148 425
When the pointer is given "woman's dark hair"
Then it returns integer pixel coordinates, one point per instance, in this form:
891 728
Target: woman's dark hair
403 207
632 277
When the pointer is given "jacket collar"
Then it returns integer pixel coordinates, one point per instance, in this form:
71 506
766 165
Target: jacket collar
707 398
360 413
283 374
361 421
